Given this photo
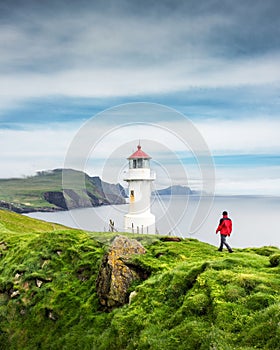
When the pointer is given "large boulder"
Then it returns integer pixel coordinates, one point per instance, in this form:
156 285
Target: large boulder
117 272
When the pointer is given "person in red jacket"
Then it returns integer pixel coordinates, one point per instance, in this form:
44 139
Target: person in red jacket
225 228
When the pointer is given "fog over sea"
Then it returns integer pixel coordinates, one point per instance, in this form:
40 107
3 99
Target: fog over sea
255 218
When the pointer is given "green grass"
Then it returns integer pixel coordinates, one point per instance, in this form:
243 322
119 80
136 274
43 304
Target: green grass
195 297
29 191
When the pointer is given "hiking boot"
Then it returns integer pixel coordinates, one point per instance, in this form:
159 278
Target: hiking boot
230 251
220 250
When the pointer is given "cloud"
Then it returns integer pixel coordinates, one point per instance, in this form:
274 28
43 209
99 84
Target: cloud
114 82
26 151
93 51
223 138
246 136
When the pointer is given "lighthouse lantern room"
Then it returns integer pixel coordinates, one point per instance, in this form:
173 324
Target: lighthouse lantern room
139 176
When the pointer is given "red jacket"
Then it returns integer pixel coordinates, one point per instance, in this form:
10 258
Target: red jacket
225 226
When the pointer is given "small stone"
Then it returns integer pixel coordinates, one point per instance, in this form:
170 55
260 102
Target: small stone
15 293
51 315
3 245
38 283
132 295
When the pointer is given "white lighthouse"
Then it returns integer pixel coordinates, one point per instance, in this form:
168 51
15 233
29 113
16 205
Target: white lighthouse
139 218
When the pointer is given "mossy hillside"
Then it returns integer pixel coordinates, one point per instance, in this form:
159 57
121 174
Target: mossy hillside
203 300
195 298
47 283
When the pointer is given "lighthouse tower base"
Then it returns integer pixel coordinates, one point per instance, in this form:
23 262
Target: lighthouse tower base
141 223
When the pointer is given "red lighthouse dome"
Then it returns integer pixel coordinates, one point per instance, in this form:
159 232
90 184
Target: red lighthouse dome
139 154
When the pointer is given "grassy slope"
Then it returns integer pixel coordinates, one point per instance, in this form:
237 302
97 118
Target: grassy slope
29 191
196 298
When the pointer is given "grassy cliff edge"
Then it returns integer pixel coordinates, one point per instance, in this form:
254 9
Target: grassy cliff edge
195 297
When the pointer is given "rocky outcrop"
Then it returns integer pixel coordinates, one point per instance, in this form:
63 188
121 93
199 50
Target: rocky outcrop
117 272
81 199
171 239
23 209
10 206
70 199
114 193
56 198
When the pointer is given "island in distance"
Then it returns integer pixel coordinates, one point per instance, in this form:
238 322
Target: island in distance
176 190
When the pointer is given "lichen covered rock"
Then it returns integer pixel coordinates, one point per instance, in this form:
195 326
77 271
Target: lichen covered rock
117 273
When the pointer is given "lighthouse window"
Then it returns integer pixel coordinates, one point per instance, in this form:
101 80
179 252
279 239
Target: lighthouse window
140 163
134 163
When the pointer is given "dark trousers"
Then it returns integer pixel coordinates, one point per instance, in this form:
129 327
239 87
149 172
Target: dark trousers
224 242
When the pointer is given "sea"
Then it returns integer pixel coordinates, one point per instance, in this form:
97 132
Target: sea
255 218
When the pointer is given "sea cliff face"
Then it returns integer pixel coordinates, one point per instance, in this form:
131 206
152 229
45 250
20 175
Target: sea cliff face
190 297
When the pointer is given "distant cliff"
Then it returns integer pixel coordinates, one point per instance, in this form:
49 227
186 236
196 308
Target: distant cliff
49 191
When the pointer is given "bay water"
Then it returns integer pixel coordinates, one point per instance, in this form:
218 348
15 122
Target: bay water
255 218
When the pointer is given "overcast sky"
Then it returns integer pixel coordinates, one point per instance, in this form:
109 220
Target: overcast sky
217 62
